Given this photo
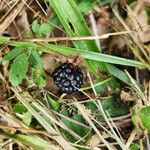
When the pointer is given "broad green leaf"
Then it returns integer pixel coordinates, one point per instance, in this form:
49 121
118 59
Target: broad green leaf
114 106
19 108
18 69
12 54
53 21
82 131
68 136
55 105
145 117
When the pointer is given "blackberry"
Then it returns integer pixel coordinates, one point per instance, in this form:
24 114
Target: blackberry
68 77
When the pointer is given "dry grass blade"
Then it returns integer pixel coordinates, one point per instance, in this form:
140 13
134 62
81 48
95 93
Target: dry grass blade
24 130
131 138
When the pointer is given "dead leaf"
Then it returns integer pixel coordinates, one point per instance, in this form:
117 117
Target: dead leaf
141 18
103 24
20 27
95 140
51 61
126 96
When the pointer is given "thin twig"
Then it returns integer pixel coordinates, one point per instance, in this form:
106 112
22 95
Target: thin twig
55 39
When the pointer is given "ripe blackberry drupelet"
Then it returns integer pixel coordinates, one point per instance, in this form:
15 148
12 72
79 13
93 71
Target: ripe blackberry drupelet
68 77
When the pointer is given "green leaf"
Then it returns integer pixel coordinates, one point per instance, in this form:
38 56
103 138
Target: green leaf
45 28
4 40
27 118
35 60
18 69
145 117
55 105
19 108
35 26
53 21
68 136
85 6
38 76
72 16
80 130
114 107
42 29
134 147
91 106
12 54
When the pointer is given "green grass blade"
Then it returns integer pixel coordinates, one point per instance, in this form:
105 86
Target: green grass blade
94 56
73 22
75 25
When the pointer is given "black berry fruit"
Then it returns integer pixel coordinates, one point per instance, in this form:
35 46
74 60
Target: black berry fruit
68 77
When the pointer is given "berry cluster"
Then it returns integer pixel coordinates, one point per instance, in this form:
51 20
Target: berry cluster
68 77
